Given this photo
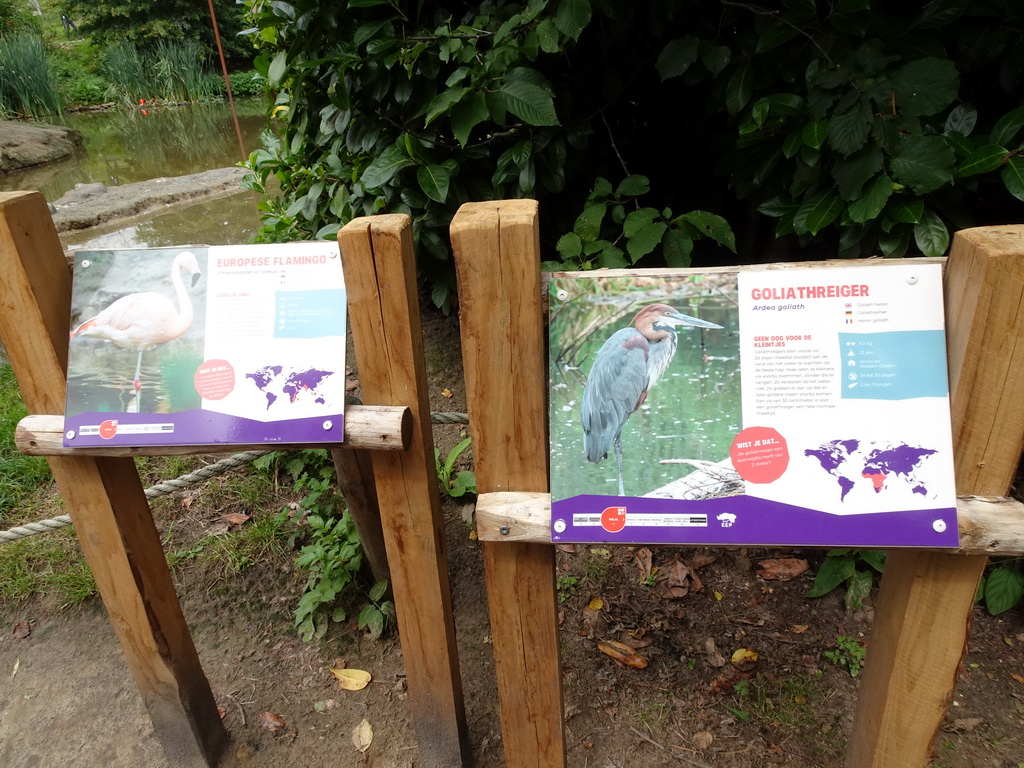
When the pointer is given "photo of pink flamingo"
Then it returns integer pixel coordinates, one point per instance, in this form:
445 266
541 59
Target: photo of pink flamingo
140 321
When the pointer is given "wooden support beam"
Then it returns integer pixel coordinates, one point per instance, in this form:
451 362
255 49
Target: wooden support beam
926 598
104 495
355 478
989 525
497 259
380 274
367 427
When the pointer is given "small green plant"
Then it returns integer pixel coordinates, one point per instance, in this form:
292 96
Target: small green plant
1002 586
596 236
455 484
596 562
330 551
379 613
844 565
566 587
848 654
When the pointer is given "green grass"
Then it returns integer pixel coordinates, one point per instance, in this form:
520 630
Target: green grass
20 475
47 565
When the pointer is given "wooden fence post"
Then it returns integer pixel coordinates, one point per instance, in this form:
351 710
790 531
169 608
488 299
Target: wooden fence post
924 605
380 276
104 495
497 259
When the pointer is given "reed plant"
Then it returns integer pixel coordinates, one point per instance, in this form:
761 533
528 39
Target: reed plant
172 70
26 84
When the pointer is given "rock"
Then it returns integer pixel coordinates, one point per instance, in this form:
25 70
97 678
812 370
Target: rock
26 144
89 205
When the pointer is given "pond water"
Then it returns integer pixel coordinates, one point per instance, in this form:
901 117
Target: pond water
693 412
124 146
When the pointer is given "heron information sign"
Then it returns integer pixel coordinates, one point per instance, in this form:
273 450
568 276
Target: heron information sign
797 406
207 345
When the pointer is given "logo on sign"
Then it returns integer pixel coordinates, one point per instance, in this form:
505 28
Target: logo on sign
108 429
727 519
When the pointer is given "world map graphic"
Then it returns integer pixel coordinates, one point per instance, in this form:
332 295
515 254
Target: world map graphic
274 381
852 462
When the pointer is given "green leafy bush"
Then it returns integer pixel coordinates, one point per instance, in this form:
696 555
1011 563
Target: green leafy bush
250 83
857 130
846 566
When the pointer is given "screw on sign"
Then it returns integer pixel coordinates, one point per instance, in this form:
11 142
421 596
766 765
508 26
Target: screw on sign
613 519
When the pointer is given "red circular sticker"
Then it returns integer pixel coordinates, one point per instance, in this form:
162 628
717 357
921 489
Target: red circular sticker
215 379
613 519
108 428
759 454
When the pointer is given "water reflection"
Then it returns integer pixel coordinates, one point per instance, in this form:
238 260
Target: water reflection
125 146
694 411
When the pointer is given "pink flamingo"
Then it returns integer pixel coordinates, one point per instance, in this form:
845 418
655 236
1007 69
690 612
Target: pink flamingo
140 321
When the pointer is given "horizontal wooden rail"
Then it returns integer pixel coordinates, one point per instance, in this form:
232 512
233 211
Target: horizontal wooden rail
989 525
367 427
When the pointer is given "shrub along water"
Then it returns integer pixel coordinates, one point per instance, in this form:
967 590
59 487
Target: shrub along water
26 86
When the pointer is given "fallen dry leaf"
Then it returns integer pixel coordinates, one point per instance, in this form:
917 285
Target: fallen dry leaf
622 653
22 630
674 580
446 392
965 724
699 561
272 722
715 659
596 604
744 659
781 569
718 595
235 518
702 739
798 629
644 558
351 679
350 385
362 736
222 712
1018 678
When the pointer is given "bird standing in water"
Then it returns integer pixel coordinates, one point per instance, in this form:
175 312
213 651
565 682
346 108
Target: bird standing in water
626 367
140 321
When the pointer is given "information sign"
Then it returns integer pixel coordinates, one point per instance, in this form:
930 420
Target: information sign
207 346
778 407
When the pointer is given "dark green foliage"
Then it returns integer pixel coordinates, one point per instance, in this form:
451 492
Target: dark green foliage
250 83
1002 586
858 130
150 21
847 565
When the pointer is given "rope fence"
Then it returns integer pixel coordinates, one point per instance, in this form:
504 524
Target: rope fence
185 481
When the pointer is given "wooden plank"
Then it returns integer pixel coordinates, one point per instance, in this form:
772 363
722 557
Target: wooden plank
380 274
926 598
355 478
104 495
988 524
367 427
497 258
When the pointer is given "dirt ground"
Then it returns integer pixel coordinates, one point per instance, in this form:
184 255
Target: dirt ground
67 698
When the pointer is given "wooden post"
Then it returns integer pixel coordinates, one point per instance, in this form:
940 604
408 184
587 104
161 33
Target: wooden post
497 259
924 606
104 495
380 274
355 478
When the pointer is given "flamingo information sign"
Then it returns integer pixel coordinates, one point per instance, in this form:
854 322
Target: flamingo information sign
207 345
776 407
